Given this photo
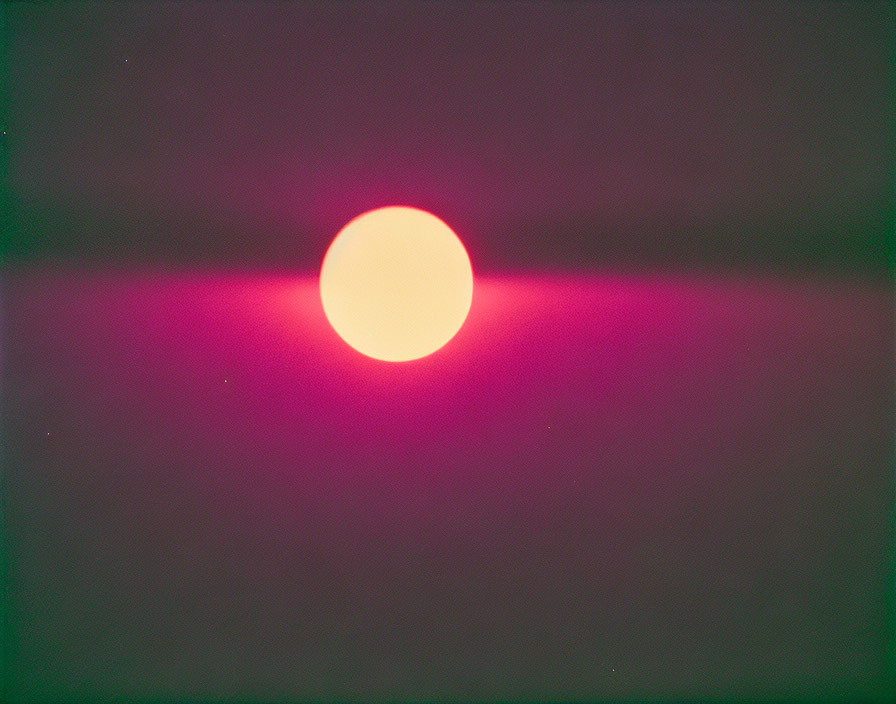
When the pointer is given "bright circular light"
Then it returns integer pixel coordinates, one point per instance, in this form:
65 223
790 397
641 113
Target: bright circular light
396 283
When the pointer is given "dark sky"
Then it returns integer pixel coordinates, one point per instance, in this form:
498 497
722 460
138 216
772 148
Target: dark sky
655 463
604 488
549 134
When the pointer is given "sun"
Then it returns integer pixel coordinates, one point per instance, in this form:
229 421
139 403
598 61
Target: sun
396 283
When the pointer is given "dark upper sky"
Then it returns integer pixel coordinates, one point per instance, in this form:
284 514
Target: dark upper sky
548 134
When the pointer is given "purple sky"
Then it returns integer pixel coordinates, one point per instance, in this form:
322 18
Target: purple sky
656 462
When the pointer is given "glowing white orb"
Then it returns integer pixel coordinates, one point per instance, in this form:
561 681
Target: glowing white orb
396 283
